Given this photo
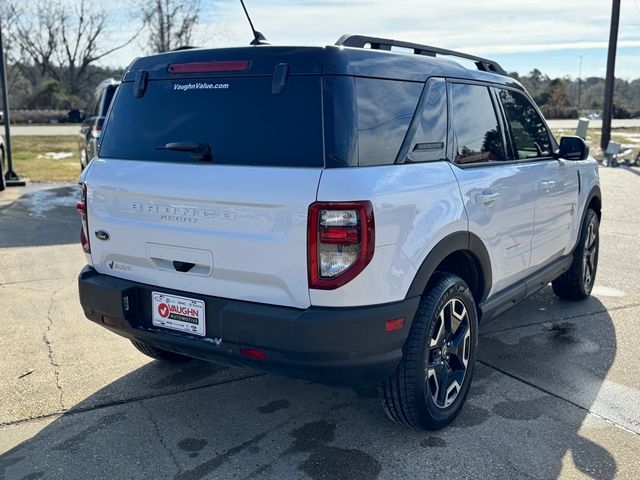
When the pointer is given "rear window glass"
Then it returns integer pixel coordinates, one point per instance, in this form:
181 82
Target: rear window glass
385 110
239 118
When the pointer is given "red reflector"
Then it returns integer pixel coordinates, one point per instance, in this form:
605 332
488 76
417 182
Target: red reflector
253 353
81 208
205 67
339 235
393 325
112 322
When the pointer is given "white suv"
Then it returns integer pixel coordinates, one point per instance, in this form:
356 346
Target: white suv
345 214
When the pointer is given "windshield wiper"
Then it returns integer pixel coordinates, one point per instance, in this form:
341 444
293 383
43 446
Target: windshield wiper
201 151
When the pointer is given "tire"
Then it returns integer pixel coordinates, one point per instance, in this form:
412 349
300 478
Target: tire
159 354
577 282
412 396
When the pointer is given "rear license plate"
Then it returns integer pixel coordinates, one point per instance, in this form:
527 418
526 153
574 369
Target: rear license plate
178 313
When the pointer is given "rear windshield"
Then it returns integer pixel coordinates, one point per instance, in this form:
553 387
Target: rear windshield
240 118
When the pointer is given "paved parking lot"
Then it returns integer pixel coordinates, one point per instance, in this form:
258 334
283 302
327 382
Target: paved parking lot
556 392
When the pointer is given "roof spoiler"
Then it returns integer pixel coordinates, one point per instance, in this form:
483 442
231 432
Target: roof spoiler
374 43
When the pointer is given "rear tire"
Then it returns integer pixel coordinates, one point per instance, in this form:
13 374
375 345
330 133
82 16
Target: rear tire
429 387
159 354
577 282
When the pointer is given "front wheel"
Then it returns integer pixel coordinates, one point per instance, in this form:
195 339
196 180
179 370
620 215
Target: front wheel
431 383
577 282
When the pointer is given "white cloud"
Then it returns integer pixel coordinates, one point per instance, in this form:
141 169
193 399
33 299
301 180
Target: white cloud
495 27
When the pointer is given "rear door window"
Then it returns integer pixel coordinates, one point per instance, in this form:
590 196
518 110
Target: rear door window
240 118
385 110
477 135
529 134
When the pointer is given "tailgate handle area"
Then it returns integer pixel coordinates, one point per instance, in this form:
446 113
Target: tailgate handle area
183 266
180 259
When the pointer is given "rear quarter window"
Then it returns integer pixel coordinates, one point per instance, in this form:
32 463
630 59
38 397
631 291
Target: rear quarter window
244 122
385 109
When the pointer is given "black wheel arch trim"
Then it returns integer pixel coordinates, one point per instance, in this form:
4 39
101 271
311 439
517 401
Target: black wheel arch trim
594 193
459 241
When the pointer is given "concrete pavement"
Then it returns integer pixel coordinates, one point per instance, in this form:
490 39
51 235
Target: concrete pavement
556 392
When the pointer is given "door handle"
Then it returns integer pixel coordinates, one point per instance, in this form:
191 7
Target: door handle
546 185
487 199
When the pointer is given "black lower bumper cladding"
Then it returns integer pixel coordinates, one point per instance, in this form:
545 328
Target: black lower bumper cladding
344 346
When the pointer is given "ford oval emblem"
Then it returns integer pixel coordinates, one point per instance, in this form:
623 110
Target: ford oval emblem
102 235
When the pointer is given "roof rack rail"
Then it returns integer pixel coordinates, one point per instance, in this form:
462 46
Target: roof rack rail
363 41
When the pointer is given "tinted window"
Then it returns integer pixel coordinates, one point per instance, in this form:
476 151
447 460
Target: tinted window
429 141
475 125
242 121
528 133
108 96
385 109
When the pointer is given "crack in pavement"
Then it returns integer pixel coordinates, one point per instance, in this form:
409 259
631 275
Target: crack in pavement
161 438
17 282
560 319
49 346
72 411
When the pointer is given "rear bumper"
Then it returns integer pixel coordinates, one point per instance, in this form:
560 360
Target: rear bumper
347 346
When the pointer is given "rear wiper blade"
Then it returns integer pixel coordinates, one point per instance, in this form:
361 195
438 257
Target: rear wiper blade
201 151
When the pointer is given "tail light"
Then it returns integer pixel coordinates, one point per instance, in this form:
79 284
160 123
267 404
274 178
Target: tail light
209 67
341 240
81 207
97 127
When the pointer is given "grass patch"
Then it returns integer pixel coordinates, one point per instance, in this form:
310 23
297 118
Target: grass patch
30 160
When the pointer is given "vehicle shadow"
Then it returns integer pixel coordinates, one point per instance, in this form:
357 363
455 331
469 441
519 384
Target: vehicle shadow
522 419
40 218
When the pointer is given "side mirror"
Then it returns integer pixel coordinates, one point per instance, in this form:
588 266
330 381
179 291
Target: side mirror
573 148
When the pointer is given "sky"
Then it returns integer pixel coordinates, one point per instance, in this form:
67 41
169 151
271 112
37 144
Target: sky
551 35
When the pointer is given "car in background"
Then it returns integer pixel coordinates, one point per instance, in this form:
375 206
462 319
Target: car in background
92 125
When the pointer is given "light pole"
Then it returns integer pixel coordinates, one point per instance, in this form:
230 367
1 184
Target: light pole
607 113
12 179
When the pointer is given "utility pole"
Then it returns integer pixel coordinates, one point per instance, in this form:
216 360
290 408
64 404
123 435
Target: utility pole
12 180
579 84
607 114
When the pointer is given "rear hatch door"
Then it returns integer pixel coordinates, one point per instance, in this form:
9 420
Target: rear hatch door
232 224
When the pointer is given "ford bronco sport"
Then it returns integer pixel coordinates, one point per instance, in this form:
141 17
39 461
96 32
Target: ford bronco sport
345 214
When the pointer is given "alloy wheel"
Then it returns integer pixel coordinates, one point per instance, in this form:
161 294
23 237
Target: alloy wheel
449 348
590 255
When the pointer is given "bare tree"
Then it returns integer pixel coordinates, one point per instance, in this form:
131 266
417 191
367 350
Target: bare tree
64 38
169 23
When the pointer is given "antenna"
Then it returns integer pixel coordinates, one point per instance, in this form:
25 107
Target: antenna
258 38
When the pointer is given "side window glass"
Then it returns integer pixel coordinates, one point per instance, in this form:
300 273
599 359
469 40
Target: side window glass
528 132
96 105
385 110
429 142
476 132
